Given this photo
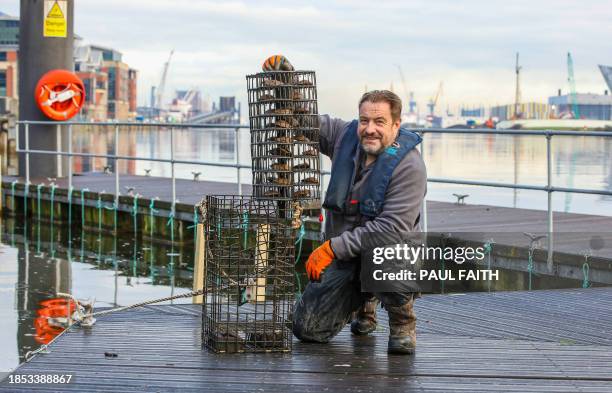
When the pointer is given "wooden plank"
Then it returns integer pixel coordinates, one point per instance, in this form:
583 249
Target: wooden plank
257 292
199 263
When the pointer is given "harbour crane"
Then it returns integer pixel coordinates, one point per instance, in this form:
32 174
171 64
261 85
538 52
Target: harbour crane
517 91
433 101
572 85
162 82
410 95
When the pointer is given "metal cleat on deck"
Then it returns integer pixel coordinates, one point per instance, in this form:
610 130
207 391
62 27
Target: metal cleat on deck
196 175
534 239
461 198
83 314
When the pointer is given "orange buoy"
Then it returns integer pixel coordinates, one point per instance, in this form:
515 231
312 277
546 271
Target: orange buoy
60 94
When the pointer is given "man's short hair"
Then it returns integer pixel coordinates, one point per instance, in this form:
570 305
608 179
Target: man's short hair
395 103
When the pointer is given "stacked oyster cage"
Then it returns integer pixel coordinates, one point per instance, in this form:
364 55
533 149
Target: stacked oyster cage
250 240
249 276
284 125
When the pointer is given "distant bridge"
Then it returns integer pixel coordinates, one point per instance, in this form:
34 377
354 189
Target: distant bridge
218 117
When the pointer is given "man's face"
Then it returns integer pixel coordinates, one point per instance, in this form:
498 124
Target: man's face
376 130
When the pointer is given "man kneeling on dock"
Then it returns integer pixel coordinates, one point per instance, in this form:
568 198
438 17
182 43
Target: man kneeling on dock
377 184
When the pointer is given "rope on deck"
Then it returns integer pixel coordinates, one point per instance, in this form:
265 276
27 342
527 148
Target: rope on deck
38 196
26 192
298 242
82 209
13 193
146 302
585 272
87 319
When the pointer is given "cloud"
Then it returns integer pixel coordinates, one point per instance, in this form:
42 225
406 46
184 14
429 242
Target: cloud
470 45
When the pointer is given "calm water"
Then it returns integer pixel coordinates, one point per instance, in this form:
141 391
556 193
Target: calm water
37 261
581 162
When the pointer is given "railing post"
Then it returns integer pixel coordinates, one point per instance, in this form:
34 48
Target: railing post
549 258
237 143
69 156
116 167
172 167
424 213
27 149
58 141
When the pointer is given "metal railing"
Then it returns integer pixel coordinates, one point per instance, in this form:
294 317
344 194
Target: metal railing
115 157
548 134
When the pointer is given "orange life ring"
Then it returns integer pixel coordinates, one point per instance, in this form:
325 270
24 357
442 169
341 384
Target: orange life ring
60 94
51 308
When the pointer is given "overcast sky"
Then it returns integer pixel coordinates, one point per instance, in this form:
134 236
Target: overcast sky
470 45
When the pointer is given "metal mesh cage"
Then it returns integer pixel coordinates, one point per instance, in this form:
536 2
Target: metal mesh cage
284 124
249 276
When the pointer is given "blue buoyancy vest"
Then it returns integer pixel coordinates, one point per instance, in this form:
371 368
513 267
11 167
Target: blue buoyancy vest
343 168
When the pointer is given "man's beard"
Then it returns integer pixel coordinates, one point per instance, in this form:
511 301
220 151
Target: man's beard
371 149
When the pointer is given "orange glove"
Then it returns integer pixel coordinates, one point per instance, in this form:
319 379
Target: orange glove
318 260
276 63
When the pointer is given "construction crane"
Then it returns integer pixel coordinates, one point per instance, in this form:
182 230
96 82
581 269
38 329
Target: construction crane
410 95
162 83
572 85
517 91
411 102
433 101
399 68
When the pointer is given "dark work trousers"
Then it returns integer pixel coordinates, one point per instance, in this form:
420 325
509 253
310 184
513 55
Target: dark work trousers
327 306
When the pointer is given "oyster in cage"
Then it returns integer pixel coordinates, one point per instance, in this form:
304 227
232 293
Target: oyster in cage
301 194
311 152
279 111
280 151
303 82
266 97
228 339
282 124
271 82
283 181
297 95
281 139
302 110
280 166
303 165
310 180
301 138
272 193
266 338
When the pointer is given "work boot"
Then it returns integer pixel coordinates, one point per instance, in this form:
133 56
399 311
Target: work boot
365 319
402 328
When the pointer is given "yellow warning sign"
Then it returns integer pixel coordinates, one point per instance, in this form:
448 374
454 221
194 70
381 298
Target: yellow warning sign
56 18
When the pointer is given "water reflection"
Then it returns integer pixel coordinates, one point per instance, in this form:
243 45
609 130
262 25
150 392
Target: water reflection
214 145
38 261
582 162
